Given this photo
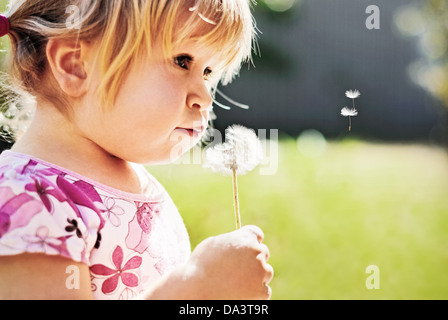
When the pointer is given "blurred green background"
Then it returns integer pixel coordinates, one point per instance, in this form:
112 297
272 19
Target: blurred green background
339 201
326 218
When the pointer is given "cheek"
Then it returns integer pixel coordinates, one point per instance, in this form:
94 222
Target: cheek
149 117
150 105
155 100
143 127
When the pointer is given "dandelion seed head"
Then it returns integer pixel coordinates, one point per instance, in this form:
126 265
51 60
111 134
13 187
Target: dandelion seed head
353 94
241 152
346 112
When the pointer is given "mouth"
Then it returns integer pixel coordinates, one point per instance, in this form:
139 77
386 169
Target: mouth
193 132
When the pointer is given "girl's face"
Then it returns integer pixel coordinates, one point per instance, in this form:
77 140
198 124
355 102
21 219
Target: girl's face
161 110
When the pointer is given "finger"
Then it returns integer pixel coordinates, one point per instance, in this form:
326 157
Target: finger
265 292
256 231
268 292
269 273
264 251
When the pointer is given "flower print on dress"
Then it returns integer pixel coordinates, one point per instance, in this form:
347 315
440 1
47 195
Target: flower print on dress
34 167
85 202
140 227
17 210
73 227
128 294
44 188
88 190
120 271
78 194
44 243
113 211
145 214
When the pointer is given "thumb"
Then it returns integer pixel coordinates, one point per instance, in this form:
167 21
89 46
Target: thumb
254 231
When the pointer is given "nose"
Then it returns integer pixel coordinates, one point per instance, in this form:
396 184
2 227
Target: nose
199 97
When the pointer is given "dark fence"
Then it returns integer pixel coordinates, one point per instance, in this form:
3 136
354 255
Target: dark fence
318 50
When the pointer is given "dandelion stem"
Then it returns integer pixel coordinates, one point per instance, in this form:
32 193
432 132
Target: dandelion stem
354 108
236 201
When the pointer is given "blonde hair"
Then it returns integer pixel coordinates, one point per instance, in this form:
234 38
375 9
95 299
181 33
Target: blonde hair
125 29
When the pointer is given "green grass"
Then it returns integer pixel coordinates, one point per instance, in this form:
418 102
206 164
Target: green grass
327 218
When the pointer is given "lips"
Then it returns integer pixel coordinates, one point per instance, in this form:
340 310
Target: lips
193 132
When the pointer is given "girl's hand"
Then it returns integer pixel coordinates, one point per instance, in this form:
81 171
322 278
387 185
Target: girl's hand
232 266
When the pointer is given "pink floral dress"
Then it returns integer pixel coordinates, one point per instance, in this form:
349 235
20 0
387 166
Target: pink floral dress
128 241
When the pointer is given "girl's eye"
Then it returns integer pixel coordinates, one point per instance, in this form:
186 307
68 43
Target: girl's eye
207 73
183 61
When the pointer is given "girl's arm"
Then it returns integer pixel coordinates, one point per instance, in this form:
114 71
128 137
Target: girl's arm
43 277
229 266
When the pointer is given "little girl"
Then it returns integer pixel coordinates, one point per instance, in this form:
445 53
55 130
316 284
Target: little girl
116 85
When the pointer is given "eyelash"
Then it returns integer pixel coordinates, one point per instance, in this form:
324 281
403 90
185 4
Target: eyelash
184 62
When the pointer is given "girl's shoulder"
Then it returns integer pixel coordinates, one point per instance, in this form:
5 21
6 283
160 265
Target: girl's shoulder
28 177
43 210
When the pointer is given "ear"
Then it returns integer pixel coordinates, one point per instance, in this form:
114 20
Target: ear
69 64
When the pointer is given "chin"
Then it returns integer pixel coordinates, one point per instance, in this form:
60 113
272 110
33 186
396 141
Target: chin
168 154
160 159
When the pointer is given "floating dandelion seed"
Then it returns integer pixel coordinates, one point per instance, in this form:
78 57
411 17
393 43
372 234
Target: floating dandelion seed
346 112
353 94
240 154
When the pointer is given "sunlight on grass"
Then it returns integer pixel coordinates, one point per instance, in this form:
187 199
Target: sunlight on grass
327 218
